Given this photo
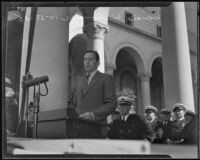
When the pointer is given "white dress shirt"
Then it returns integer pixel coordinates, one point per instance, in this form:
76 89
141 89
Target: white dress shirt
91 76
124 117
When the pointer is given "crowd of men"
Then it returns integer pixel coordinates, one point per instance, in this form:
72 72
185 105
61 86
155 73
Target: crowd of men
174 126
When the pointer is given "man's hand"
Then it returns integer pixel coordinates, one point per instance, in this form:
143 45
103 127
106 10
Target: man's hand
87 115
159 133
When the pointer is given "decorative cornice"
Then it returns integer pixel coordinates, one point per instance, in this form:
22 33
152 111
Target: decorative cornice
135 29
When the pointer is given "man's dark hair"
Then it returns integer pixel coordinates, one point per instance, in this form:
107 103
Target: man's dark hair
94 52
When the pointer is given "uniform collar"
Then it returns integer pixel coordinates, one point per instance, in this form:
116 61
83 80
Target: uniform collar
181 119
125 117
152 120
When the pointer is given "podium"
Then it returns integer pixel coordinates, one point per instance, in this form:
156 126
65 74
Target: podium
82 128
57 125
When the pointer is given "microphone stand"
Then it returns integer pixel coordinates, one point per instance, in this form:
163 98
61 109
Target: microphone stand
36 104
36 101
28 76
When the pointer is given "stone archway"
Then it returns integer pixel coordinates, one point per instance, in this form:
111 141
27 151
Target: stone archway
136 54
126 73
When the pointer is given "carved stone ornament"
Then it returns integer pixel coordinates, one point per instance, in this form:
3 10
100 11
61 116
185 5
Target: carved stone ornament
94 29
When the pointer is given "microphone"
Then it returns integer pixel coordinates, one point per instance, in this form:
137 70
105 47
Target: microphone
35 81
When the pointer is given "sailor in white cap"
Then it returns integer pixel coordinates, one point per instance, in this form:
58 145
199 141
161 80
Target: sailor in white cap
163 125
165 114
128 126
151 116
124 106
180 110
175 135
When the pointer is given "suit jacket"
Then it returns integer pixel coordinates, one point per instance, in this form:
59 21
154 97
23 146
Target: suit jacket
133 128
100 97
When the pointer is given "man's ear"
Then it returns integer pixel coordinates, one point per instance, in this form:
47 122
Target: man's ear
98 63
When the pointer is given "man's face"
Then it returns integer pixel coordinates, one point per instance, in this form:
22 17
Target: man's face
150 115
90 62
164 116
180 114
124 109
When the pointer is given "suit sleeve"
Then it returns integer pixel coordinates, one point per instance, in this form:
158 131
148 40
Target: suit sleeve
109 98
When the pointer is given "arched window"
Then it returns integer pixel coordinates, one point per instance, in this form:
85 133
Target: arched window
128 80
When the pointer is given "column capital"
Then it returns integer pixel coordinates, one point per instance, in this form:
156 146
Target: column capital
144 76
110 68
95 29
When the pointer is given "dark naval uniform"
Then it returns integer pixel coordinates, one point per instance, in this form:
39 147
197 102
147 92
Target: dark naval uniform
176 132
133 128
178 125
153 124
165 126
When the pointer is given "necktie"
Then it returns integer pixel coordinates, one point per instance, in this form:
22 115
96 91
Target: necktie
85 84
123 119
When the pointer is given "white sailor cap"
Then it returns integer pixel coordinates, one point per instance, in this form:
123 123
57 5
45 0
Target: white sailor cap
124 100
151 108
166 110
179 106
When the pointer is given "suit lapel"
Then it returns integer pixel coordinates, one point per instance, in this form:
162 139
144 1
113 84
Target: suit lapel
94 80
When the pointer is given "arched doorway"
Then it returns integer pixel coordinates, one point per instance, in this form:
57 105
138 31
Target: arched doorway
156 84
125 74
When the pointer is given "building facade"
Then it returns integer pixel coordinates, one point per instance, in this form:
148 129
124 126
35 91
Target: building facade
146 49
133 51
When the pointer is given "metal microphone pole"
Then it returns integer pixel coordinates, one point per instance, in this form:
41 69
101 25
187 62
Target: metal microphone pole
36 111
28 81
28 76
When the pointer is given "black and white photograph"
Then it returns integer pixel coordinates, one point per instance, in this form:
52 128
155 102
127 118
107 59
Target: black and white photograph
100 80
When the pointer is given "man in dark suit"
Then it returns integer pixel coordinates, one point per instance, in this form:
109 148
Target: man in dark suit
96 94
128 126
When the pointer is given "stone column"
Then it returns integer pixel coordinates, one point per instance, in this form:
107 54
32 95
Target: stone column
145 91
109 69
50 55
95 34
176 56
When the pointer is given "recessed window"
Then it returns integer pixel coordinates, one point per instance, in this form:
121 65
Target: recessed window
129 18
